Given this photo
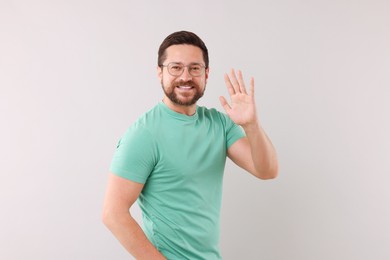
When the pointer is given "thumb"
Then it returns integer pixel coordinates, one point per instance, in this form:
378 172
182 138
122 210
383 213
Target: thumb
224 104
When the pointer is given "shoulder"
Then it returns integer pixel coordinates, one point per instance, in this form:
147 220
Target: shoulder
149 116
215 115
147 120
143 126
205 112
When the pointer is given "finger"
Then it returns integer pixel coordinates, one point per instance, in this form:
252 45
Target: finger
241 82
234 81
252 87
229 85
224 104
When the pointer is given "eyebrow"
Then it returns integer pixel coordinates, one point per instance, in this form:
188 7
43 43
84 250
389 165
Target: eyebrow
192 63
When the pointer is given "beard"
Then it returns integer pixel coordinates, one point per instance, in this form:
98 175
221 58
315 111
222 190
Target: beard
183 99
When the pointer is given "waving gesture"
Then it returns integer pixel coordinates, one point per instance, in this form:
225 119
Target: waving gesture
242 109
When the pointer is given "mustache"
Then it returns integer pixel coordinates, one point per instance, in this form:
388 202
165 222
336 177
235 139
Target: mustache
185 83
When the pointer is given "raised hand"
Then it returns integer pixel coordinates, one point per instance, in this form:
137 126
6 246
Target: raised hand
242 109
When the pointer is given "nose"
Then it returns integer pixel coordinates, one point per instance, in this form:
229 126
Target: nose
185 76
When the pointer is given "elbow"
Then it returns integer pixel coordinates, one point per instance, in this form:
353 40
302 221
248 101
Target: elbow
107 218
268 174
268 177
114 219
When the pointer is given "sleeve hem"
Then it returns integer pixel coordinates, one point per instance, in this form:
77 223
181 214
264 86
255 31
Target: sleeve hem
235 139
128 175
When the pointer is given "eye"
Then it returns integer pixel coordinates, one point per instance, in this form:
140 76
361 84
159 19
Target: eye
176 67
195 67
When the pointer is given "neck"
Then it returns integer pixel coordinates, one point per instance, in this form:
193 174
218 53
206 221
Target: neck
186 110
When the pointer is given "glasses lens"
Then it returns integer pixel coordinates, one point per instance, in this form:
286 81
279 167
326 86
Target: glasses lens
196 70
175 69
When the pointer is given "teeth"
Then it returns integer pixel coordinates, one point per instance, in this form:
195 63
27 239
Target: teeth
185 87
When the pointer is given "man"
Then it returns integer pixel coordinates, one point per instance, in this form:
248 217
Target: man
172 159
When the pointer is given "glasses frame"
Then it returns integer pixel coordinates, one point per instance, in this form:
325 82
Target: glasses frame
185 66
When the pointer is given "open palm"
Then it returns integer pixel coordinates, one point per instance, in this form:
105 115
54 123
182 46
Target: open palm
242 109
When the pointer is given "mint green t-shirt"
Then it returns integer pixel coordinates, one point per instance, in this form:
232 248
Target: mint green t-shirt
181 160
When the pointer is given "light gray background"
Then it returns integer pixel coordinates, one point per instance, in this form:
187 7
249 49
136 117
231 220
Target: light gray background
75 74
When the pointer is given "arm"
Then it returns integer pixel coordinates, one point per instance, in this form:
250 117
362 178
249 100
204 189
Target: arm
120 196
254 153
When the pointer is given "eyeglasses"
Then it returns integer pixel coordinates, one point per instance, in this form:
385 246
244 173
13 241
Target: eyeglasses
176 69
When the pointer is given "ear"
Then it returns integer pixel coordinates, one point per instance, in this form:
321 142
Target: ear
159 72
206 73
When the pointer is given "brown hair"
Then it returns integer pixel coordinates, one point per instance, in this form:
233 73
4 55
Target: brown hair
182 37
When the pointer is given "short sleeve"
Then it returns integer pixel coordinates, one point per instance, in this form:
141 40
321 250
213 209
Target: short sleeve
233 131
135 155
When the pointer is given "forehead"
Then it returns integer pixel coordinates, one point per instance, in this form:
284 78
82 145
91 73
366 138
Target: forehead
184 53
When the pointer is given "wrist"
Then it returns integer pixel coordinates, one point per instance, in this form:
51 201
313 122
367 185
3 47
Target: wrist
251 127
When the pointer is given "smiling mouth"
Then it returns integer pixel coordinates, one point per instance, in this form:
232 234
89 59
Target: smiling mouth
185 87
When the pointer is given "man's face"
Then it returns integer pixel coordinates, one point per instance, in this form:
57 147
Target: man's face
185 89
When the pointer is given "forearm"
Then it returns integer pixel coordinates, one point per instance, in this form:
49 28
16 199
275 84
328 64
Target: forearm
262 151
132 237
